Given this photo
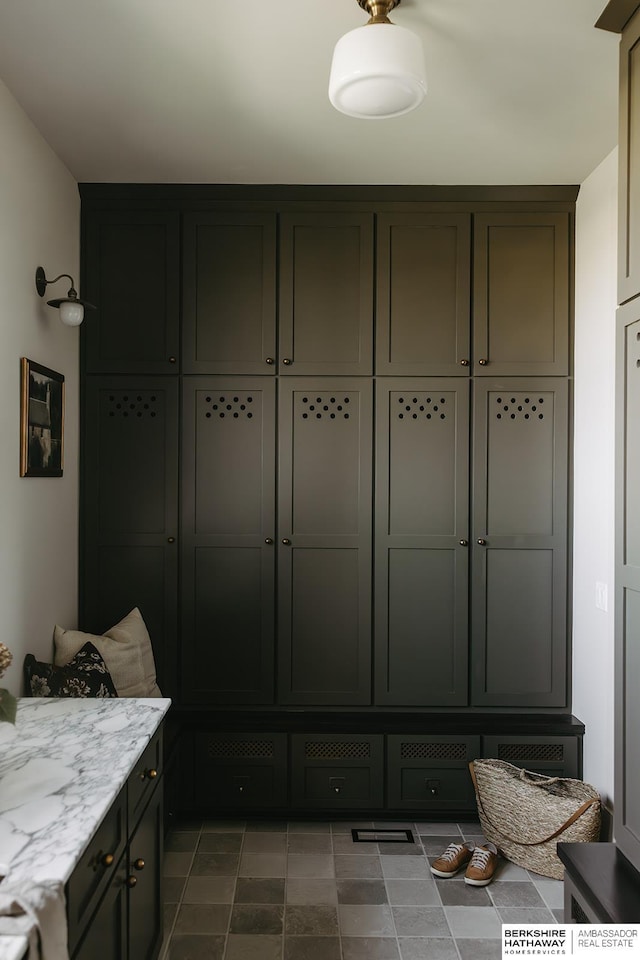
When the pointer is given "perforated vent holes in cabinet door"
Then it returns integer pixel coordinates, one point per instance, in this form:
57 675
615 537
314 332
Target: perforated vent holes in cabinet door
553 755
412 750
320 750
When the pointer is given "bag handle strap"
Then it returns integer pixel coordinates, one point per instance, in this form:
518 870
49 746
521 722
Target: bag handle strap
532 843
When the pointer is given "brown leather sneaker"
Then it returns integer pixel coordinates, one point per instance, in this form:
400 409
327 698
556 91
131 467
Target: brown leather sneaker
454 858
483 866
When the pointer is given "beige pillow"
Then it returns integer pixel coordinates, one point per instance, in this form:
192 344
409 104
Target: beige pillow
126 650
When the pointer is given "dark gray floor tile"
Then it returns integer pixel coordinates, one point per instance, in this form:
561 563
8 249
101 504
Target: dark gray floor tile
311 948
427 948
181 841
203 918
266 826
311 920
196 947
169 911
405 868
365 920
309 843
478 949
457 893
370 948
242 947
220 843
344 844
173 888
420 922
311 891
434 846
265 842
526 915
353 867
252 890
256 918
515 894
223 826
475 923
177 864
400 849
185 824
209 890
309 826
361 891
214 865
412 893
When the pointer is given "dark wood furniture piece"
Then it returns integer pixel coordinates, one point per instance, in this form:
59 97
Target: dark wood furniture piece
346 492
600 885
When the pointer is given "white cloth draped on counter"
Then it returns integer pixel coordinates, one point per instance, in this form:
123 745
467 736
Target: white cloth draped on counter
37 911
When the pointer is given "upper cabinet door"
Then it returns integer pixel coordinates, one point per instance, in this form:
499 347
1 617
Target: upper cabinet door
629 163
326 293
132 266
521 294
423 295
229 323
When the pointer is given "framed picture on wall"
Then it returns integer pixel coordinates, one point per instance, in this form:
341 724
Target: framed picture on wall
41 421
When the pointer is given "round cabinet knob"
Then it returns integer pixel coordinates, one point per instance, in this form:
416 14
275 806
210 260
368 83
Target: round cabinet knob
172 359
171 539
483 361
151 774
107 860
287 361
269 360
481 542
463 543
286 542
269 541
131 882
464 363
138 864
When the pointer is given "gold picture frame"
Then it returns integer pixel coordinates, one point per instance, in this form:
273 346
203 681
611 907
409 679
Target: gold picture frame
41 420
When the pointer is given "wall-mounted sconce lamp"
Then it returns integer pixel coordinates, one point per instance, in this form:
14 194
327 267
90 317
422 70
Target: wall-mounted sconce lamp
71 307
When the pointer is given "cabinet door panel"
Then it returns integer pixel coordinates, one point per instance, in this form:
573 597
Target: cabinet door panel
422 516
106 937
629 163
229 293
520 543
130 491
521 294
145 898
423 294
228 514
325 517
131 269
326 293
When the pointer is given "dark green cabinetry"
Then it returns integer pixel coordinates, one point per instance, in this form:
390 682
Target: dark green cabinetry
131 269
130 508
422 547
344 771
423 296
431 772
519 542
229 293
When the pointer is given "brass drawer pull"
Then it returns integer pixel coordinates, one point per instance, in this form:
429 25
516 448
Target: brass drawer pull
149 774
138 864
107 860
131 882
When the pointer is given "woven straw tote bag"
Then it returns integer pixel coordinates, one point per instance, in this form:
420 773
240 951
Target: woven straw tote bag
525 814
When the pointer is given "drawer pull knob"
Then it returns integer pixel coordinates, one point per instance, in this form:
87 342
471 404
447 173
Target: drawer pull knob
483 362
337 789
149 774
138 864
241 789
131 882
172 359
171 539
463 543
268 541
107 859
287 361
464 363
269 360
286 542
481 542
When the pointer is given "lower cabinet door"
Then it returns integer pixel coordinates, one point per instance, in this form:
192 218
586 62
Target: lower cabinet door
240 770
106 936
428 772
144 883
334 771
551 756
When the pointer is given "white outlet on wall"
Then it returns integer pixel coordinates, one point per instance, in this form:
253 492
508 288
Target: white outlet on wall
602 595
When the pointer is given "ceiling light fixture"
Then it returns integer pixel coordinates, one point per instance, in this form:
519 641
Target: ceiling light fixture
71 307
377 70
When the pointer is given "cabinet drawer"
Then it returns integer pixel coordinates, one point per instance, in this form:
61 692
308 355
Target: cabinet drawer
96 869
143 778
240 770
430 771
337 770
552 756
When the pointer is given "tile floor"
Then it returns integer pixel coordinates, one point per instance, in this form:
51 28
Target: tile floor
266 890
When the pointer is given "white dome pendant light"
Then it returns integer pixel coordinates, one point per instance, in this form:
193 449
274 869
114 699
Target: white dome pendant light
377 70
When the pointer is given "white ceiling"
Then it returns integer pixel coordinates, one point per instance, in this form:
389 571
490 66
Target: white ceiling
201 91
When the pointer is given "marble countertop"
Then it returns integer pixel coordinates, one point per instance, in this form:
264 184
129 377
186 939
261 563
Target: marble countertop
61 767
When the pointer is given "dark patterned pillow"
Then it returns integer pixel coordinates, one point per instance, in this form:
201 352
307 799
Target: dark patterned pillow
84 676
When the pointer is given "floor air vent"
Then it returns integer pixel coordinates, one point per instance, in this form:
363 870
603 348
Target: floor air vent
362 835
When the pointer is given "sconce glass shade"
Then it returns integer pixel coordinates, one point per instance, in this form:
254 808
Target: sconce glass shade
377 72
71 312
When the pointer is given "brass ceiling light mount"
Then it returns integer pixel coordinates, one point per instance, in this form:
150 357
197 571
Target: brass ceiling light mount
377 73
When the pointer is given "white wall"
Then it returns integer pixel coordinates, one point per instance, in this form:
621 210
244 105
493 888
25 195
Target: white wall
39 225
593 547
